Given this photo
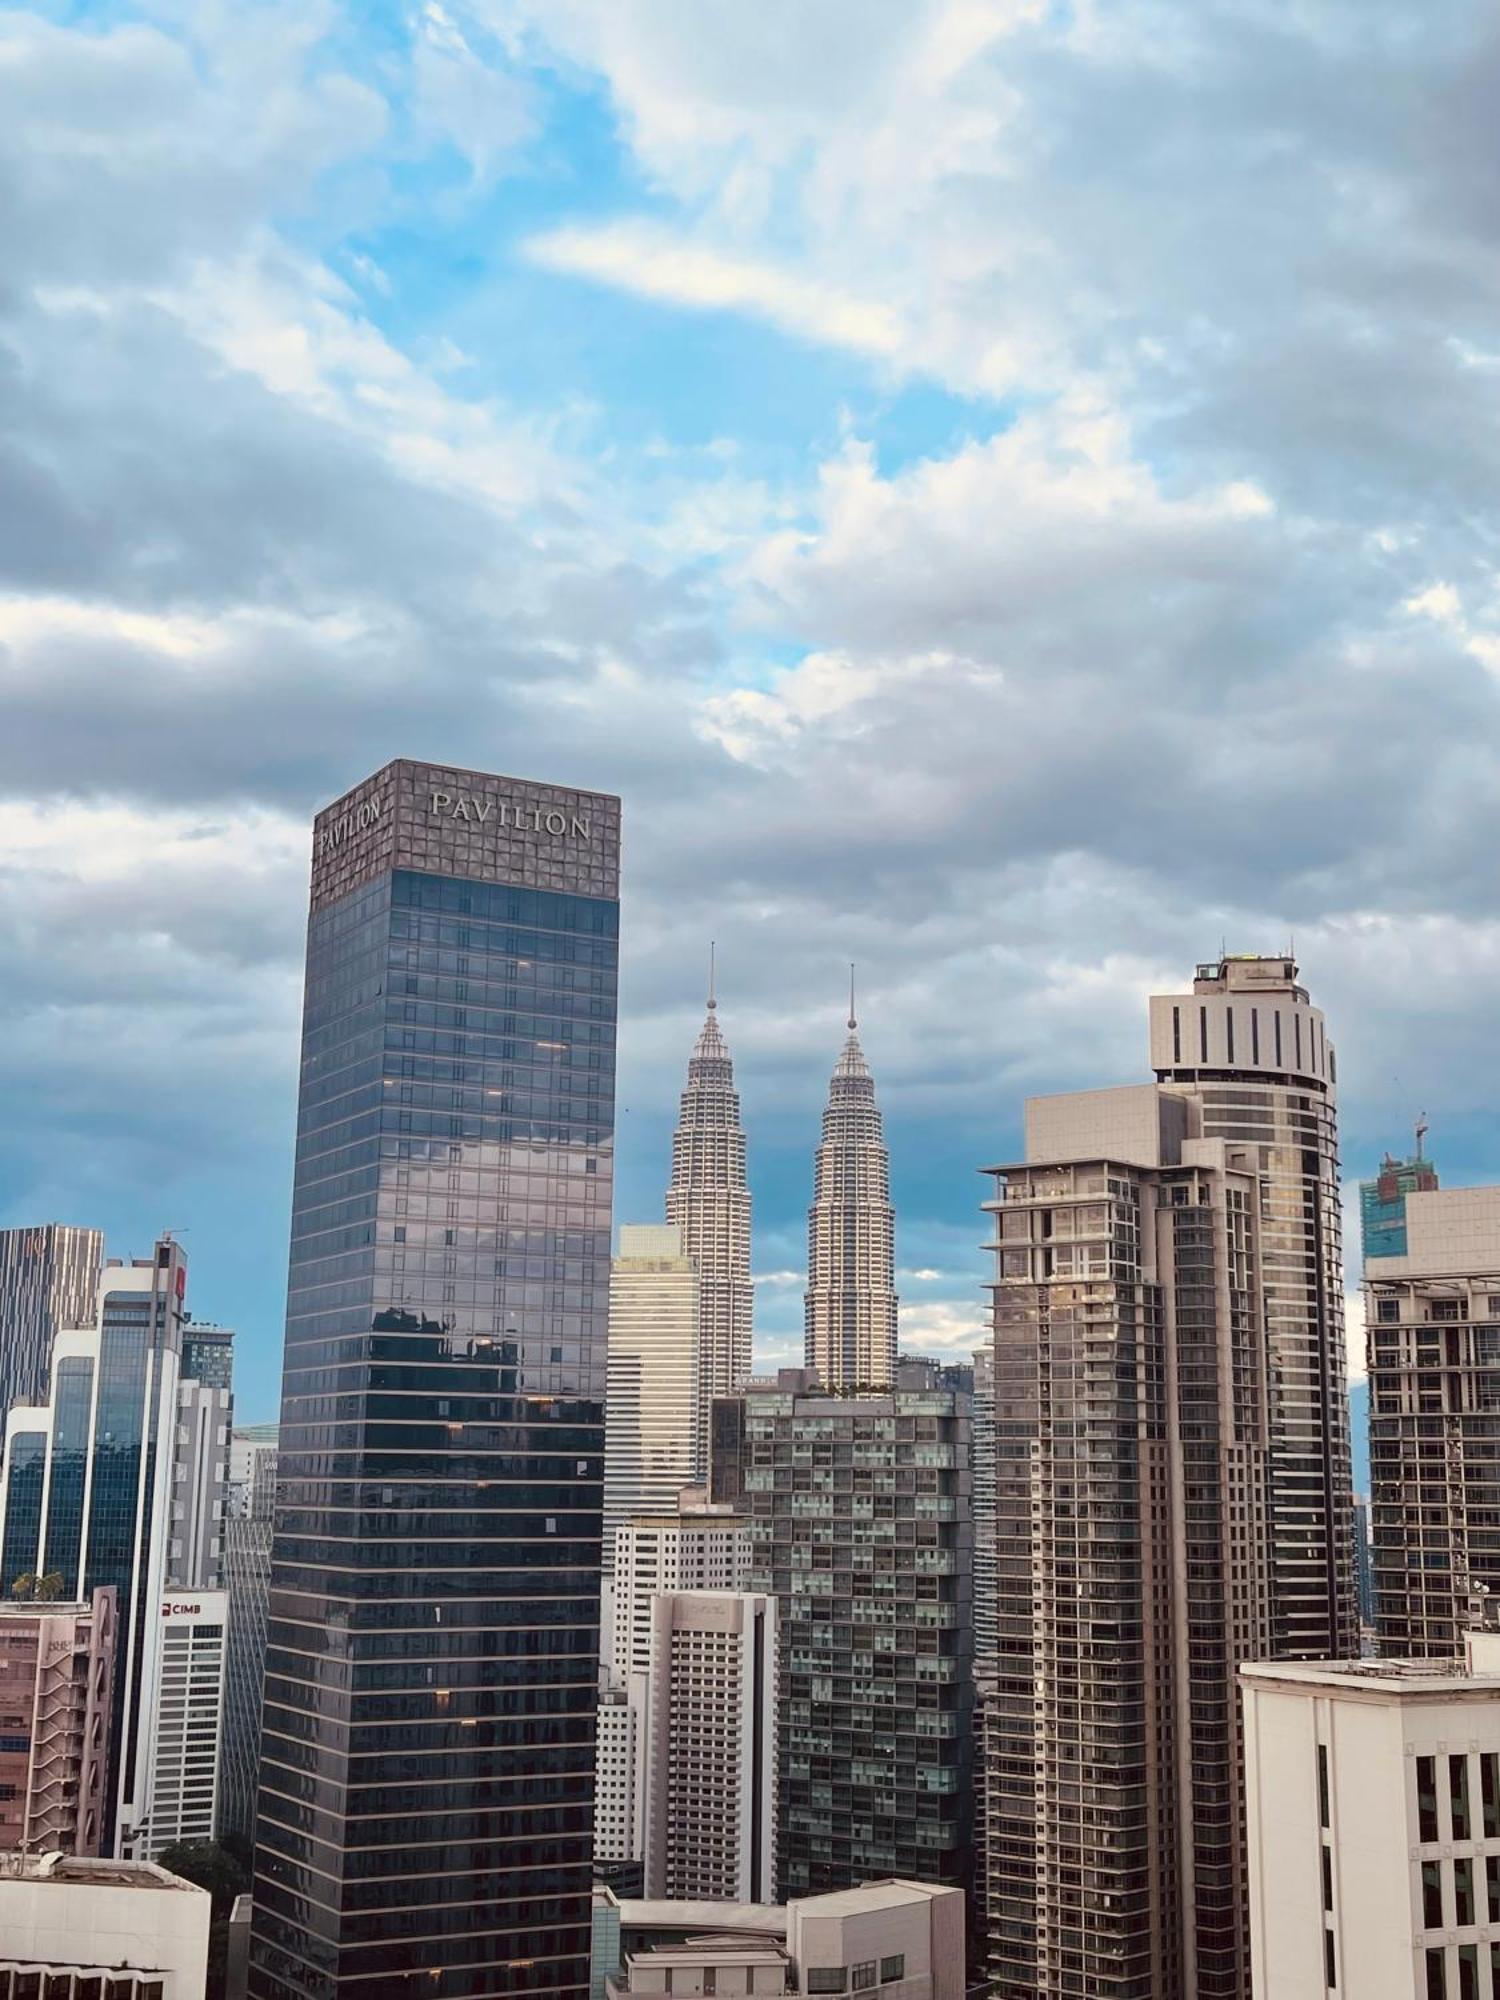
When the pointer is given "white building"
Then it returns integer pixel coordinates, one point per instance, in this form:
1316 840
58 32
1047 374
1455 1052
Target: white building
708 1747
1374 1827
709 1199
182 1747
617 1796
702 1546
651 1394
900 1940
125 1929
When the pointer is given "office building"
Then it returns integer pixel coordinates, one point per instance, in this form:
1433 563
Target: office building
49 1275
903 1940
1382 1202
982 1443
651 1399
709 1201
708 1747
1133 1550
859 1526
700 1546
435 1572
1432 1321
86 1929
115 1483
56 1691
850 1310
208 1354
1374 1817
249 1521
1252 1052
619 1837
186 1724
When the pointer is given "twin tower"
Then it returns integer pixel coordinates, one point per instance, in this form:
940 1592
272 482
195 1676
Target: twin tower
850 1316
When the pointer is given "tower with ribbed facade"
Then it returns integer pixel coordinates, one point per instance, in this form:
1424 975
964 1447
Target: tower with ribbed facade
850 1313
709 1200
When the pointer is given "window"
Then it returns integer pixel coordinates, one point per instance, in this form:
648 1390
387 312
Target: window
1323 1784
826 1979
1468 1972
1445 1309
1458 1796
862 1978
1330 1963
1388 1311
1432 1897
893 1967
1327 1878
1463 1892
1427 1798
1437 1983
1492 1887
1489 1793
710 1979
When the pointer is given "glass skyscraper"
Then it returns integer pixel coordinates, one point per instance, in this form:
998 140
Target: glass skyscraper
1382 1202
424 1820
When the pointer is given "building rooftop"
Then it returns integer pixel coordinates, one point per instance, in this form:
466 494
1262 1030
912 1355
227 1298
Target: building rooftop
662 1913
1445 1679
883 1895
101 1873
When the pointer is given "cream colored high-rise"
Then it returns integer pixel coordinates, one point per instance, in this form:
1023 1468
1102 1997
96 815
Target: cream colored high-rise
709 1200
850 1311
651 1397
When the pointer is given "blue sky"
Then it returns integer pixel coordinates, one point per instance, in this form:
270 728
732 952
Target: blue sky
1004 489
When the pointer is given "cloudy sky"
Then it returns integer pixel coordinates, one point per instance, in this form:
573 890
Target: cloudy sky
1005 489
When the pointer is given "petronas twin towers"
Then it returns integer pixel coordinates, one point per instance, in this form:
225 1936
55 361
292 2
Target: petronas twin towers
850 1312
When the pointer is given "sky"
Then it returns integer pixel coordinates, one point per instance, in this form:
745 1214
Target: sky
1005 490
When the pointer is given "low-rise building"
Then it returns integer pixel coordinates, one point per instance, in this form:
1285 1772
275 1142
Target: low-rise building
57 1665
132 1929
1373 1792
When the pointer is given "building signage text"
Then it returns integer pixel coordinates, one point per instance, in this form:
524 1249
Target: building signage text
505 812
358 819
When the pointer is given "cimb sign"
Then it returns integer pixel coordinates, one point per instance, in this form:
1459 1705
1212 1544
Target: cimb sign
507 812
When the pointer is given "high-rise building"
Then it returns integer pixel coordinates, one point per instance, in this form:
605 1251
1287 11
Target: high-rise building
56 1690
187 1724
49 1275
114 1484
427 1759
1382 1202
982 1444
1432 1319
709 1200
700 1546
859 1527
1253 1053
1374 1814
850 1311
1133 1555
208 1354
708 1747
618 1833
651 1399
249 1519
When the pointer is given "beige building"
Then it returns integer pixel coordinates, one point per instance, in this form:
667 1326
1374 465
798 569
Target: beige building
708 1757
698 1546
850 1309
1374 1824
122 1929
1432 1320
651 1398
900 1940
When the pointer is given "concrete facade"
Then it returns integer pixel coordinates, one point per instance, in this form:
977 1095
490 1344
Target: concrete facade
57 1664
651 1398
125 1922
1374 1822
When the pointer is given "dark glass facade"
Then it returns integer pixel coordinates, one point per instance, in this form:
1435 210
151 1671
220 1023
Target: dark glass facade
424 1824
23 1508
208 1355
72 1398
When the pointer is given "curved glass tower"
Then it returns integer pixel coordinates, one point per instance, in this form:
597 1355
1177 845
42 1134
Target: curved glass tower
427 1758
709 1200
850 1309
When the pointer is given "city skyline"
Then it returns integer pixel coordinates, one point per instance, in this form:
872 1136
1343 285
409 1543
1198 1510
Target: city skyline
787 426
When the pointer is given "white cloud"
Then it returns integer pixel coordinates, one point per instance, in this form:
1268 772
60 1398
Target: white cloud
637 257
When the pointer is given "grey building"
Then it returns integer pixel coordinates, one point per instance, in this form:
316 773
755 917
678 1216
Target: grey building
1253 1053
1432 1318
249 1519
850 1308
427 1751
208 1354
49 1275
858 1510
1134 1552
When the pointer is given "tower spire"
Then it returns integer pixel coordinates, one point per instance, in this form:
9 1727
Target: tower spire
712 1000
853 1023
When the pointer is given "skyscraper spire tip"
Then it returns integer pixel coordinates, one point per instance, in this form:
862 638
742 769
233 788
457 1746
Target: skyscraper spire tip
852 1022
712 1001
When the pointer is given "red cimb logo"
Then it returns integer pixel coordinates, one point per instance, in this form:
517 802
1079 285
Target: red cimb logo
170 1610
